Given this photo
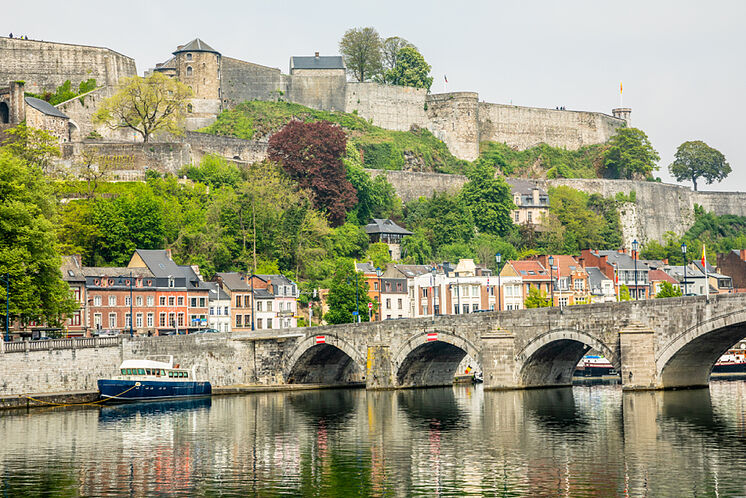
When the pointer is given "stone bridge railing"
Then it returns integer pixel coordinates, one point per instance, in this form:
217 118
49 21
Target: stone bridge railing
56 344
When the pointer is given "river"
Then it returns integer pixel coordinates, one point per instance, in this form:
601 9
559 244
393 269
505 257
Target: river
581 441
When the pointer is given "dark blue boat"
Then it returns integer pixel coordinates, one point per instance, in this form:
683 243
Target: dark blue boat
155 377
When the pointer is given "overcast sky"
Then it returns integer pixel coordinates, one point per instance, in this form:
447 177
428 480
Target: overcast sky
682 63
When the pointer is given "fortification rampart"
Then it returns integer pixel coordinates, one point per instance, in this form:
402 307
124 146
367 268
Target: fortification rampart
390 107
242 81
526 127
46 65
237 149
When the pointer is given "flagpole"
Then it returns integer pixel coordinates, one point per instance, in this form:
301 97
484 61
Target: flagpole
704 267
621 103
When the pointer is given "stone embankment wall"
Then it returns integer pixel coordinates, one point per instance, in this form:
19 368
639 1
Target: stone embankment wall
224 361
46 65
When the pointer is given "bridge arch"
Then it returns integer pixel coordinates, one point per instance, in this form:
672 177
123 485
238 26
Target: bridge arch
550 358
329 361
420 362
688 358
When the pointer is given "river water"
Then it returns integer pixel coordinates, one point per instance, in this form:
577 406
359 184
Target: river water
581 441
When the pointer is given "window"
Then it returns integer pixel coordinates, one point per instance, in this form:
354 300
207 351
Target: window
238 320
150 320
247 320
151 300
515 216
269 323
225 311
269 308
188 57
465 307
258 323
162 320
97 320
375 285
398 286
112 320
180 301
171 300
127 300
579 284
563 301
172 319
127 320
259 305
424 309
189 70
193 302
189 108
529 217
112 300
424 292
388 303
162 301
238 302
170 282
202 302
97 300
181 319
138 301
212 310
455 309
399 303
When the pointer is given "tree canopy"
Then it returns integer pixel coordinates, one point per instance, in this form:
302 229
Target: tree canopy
668 290
696 160
311 154
410 69
146 106
390 51
361 51
343 299
630 155
490 201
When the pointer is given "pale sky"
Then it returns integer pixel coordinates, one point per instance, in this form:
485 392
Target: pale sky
682 63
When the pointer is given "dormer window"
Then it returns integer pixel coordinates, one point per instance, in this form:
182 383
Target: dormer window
189 57
189 70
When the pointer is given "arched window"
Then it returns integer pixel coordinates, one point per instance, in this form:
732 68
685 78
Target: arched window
189 108
189 70
189 57
4 113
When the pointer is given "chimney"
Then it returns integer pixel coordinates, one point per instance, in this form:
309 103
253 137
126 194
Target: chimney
535 195
622 250
743 254
665 261
316 55
582 262
168 253
604 258
195 269
78 260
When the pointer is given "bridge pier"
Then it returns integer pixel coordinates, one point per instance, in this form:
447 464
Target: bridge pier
498 361
637 347
379 372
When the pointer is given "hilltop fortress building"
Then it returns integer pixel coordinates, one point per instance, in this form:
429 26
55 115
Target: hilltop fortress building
219 82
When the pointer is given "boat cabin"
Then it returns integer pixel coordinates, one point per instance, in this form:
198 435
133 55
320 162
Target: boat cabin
158 367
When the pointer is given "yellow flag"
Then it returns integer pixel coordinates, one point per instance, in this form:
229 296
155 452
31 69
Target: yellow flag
620 87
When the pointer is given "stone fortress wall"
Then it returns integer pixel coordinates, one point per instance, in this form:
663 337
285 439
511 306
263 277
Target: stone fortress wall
46 65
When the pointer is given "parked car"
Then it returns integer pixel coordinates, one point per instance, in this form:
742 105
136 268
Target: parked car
106 333
206 331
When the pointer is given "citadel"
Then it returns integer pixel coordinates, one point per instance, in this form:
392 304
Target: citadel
219 82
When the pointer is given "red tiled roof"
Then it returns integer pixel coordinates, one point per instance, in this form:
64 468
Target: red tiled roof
661 276
526 268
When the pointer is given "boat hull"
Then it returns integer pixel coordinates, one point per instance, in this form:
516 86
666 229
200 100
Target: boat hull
142 390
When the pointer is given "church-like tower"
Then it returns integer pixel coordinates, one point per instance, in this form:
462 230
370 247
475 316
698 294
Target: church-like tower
198 66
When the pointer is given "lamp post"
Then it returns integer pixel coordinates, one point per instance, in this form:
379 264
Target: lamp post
498 258
357 304
634 255
7 307
551 276
252 299
432 288
380 302
132 317
683 251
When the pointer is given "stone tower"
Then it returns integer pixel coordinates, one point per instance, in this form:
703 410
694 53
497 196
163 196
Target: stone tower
623 113
198 66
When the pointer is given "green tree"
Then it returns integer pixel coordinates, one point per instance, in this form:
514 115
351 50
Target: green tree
444 217
146 106
28 244
698 160
349 241
489 200
624 293
536 299
416 248
390 51
213 170
582 226
376 197
342 297
378 254
630 155
361 50
36 147
410 70
668 290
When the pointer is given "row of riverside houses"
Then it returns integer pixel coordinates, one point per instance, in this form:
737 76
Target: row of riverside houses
167 298
409 291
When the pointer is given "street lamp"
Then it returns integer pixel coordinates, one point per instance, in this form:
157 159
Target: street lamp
132 317
7 306
634 254
551 276
498 258
379 272
432 289
683 251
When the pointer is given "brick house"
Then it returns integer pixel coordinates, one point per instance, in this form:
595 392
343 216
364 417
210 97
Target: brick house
571 282
236 285
533 275
73 273
733 264
109 290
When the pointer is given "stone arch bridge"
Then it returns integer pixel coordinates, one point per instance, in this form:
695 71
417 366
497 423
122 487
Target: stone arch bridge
654 344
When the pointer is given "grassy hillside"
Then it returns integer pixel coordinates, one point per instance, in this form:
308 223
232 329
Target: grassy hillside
417 149
544 161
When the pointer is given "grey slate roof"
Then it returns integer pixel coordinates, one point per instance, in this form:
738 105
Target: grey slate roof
234 280
379 225
595 279
524 187
196 45
159 263
216 293
623 261
320 62
45 107
365 267
277 279
411 271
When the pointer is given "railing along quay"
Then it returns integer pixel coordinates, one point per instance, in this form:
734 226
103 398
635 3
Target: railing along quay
57 344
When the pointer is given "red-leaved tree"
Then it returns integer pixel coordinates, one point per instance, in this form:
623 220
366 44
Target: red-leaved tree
311 154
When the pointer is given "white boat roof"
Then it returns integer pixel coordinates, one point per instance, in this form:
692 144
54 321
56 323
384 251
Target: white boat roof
149 362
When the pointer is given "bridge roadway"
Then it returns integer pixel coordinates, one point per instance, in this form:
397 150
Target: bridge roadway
654 344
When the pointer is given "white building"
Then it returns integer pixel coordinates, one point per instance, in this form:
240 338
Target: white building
219 317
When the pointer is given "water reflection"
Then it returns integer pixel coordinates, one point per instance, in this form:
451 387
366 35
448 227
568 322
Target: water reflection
584 441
